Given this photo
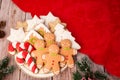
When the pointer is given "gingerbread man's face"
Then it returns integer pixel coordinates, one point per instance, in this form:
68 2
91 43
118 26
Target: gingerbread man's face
49 37
39 44
65 43
53 49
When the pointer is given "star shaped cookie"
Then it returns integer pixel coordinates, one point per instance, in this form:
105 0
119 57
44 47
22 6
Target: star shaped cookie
16 35
33 22
49 18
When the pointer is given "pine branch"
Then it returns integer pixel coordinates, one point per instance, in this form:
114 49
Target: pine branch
100 76
85 67
4 63
4 68
77 76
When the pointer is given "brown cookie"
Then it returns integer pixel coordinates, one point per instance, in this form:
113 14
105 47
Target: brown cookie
50 39
53 59
40 50
67 52
22 24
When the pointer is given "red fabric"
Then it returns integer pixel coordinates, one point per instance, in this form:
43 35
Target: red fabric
94 23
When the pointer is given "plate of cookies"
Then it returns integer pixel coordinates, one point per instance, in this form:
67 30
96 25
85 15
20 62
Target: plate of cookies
42 46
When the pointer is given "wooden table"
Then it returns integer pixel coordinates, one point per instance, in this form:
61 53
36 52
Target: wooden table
11 14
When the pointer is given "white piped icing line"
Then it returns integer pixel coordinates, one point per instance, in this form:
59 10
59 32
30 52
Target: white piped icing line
34 33
61 34
31 65
14 44
12 53
19 55
22 46
27 57
36 71
42 26
30 48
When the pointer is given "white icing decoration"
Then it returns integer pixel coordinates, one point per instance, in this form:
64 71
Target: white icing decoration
34 34
29 48
16 35
36 71
33 22
49 18
27 57
42 26
19 55
22 45
31 65
61 34
14 44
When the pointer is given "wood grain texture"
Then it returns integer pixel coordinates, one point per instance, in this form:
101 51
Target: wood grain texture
11 14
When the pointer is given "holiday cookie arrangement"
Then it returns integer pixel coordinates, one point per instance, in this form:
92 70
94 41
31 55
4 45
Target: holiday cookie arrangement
43 46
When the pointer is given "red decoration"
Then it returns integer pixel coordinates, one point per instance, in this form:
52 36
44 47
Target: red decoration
94 23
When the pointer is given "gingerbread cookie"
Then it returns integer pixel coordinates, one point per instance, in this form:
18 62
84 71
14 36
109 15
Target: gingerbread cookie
52 59
22 24
16 35
67 52
32 36
53 24
61 33
42 29
40 50
50 39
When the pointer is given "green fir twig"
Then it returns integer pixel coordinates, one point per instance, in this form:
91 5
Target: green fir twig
4 68
84 70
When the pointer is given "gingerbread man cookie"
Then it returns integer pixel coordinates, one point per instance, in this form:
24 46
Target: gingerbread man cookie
50 39
40 50
67 52
52 59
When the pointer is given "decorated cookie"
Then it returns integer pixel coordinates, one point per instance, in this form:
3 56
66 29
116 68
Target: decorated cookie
67 52
53 24
50 39
40 50
14 47
32 36
61 33
28 59
52 59
22 24
42 29
16 35
33 22
42 45
49 18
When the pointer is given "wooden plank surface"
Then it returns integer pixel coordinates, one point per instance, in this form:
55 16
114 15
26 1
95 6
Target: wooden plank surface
11 14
